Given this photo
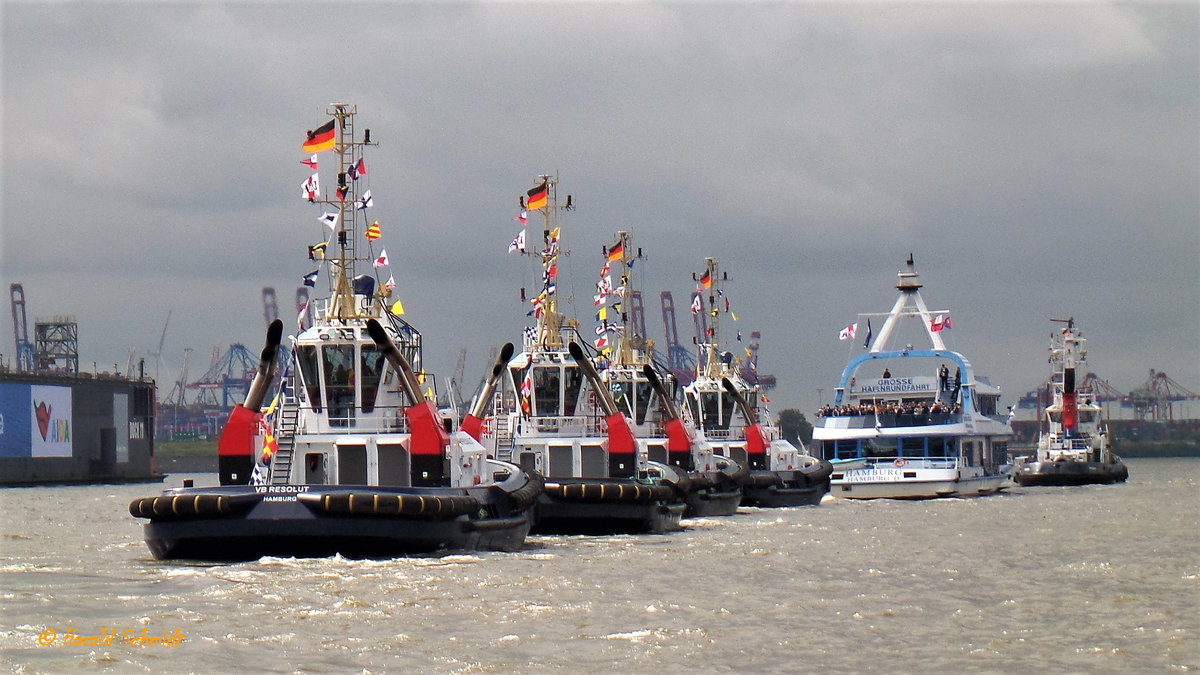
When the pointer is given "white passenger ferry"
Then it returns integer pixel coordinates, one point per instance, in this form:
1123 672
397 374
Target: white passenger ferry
911 423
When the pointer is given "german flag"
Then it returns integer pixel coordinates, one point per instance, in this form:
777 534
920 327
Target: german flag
616 252
706 280
321 139
538 197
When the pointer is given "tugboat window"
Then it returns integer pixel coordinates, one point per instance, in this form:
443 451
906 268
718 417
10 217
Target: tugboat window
547 390
307 358
645 391
371 366
573 382
339 383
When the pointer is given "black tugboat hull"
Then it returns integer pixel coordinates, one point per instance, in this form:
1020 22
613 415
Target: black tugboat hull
1066 474
320 521
606 506
710 495
783 489
713 503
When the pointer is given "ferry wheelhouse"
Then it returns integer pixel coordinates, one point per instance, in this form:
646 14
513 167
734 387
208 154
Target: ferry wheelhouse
350 457
913 423
1076 447
728 412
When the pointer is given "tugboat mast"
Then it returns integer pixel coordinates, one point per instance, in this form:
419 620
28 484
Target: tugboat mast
549 320
711 365
347 196
629 339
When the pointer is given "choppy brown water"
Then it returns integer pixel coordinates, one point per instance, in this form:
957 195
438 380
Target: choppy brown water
1092 579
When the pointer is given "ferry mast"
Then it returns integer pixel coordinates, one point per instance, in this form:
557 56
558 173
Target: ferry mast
910 303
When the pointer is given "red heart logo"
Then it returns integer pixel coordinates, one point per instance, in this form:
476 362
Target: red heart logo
42 412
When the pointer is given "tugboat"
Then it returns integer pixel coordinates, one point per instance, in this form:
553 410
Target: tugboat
714 483
1077 449
551 414
350 458
725 408
918 433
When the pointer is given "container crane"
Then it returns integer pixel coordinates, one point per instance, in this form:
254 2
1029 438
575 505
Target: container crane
680 360
1155 397
270 307
21 329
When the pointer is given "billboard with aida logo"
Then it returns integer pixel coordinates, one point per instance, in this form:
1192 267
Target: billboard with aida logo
35 420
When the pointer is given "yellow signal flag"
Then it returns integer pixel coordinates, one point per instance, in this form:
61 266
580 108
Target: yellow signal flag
429 394
398 308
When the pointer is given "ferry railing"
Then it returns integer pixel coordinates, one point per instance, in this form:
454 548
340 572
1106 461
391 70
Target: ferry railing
890 420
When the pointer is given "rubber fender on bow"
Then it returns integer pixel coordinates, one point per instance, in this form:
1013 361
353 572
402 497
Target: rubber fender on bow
762 479
528 493
185 507
375 504
611 492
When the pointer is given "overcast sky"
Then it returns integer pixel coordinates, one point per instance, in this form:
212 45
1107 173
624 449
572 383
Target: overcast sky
1038 159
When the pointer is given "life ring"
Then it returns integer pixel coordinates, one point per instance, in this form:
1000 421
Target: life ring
486 428
900 462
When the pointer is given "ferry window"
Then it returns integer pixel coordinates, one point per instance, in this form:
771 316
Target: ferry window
938 447
912 447
880 447
987 405
339 383
307 358
1055 416
547 386
1086 417
573 377
970 453
371 366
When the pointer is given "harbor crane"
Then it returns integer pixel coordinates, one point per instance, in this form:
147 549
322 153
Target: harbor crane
680 360
270 307
21 329
1155 398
